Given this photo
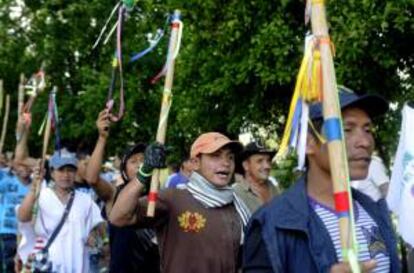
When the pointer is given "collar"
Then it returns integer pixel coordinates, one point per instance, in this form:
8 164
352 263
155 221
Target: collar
293 208
246 185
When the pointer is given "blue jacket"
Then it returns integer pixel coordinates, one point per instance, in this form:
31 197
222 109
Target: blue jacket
287 235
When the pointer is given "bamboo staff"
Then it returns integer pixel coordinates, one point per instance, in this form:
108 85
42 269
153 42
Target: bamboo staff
46 137
173 47
1 97
20 98
335 136
5 121
20 104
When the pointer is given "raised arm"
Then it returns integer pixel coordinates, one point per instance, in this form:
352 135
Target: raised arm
21 150
123 212
104 190
129 209
25 211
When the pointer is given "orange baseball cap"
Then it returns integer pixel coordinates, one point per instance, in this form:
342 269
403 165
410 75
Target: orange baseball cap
210 142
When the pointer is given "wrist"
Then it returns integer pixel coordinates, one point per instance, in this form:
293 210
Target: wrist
144 175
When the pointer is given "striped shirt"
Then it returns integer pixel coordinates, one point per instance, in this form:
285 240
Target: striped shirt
370 242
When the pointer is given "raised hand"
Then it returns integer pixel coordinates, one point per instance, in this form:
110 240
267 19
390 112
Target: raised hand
103 122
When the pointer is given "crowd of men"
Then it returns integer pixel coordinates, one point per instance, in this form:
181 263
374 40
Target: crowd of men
221 212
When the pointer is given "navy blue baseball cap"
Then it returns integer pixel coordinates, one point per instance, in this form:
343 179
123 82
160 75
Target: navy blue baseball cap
373 105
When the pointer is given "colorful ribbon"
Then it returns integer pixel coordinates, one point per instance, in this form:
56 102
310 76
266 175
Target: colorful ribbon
53 114
117 68
171 56
153 44
35 85
308 89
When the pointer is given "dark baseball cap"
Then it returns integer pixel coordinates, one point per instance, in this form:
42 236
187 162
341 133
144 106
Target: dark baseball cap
255 148
373 105
130 151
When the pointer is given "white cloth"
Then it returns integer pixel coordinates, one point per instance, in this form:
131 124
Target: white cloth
68 251
400 196
377 176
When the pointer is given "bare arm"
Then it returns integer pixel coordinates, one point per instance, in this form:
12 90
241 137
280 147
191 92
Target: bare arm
21 150
104 190
123 212
129 209
24 213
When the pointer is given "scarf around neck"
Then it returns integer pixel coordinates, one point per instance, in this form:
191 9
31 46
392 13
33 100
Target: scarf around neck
214 197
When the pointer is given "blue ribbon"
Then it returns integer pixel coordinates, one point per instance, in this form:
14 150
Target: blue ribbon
332 129
153 44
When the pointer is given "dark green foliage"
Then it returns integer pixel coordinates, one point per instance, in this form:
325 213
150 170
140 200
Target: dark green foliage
237 64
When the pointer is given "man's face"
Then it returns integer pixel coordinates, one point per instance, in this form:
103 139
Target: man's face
133 164
257 167
81 172
22 171
188 166
217 167
64 177
359 142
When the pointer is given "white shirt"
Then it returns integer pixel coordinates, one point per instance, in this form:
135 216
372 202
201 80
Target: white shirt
377 176
68 251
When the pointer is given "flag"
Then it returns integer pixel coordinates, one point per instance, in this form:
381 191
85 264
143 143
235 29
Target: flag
400 197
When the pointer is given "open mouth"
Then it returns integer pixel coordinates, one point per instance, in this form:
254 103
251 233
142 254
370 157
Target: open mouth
223 174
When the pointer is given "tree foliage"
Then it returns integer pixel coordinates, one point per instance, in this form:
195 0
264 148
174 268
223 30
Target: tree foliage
235 72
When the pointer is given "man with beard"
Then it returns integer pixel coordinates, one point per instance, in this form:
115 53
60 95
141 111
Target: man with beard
254 187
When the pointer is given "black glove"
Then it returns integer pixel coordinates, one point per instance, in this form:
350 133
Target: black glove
154 158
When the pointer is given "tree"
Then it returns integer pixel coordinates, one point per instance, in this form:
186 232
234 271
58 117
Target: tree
236 68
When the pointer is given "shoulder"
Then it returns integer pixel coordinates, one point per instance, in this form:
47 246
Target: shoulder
374 208
83 197
290 206
238 187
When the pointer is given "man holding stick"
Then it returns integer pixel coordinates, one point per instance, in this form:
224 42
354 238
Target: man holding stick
299 232
132 250
14 185
200 228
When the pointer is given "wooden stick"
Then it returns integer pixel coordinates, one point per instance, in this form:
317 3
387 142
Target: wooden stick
165 108
1 97
20 98
336 147
20 104
46 137
5 121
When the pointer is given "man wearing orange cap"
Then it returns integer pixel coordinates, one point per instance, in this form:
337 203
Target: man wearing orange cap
200 228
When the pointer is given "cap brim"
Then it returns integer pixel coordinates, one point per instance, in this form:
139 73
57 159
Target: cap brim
372 104
246 154
67 165
64 164
235 146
